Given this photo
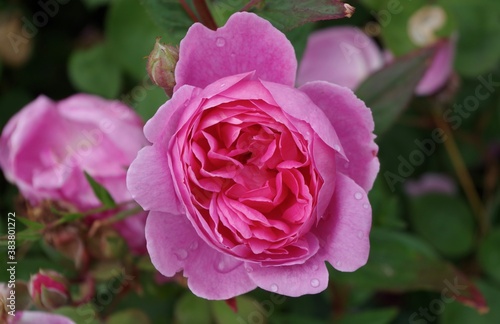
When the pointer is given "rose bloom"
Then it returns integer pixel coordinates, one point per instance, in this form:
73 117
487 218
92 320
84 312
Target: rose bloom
46 147
346 56
249 181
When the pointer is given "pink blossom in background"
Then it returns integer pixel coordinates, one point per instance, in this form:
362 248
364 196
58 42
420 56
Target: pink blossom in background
46 147
431 183
346 56
249 181
342 55
30 317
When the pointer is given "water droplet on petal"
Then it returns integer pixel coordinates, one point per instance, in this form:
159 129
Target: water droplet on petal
360 234
315 283
358 195
222 85
315 267
226 263
366 206
248 268
220 42
194 245
274 287
338 264
336 147
181 254
233 54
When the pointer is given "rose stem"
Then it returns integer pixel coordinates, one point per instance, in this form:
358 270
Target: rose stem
188 10
462 173
205 15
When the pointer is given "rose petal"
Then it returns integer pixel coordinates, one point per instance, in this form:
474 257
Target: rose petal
295 280
174 245
345 229
246 43
28 317
340 55
354 125
165 121
149 180
440 70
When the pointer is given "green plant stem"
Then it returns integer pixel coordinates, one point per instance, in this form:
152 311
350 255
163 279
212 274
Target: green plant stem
462 173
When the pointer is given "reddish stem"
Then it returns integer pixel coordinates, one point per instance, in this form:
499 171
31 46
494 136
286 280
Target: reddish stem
204 13
188 10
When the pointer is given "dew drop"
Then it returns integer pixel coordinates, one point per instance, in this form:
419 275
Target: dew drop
338 264
366 206
336 147
220 42
181 254
274 287
225 263
222 85
194 245
233 54
360 234
248 269
358 195
315 283
315 267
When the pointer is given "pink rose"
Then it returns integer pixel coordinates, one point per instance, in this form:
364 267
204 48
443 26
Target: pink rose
249 181
346 56
45 148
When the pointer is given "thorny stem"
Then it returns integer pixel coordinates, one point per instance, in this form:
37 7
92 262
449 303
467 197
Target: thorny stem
188 10
205 14
462 173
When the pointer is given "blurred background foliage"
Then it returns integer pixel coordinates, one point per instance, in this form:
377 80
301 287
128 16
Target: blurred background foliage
421 244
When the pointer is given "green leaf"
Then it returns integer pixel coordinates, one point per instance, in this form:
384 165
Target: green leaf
170 16
191 309
478 48
385 206
288 14
131 35
388 91
93 4
101 193
378 316
489 254
445 222
30 224
129 316
147 105
94 71
247 308
401 262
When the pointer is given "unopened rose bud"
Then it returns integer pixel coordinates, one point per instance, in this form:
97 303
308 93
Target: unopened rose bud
107 244
69 242
49 290
161 66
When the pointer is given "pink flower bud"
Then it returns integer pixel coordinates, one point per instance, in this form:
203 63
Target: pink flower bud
161 66
49 290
